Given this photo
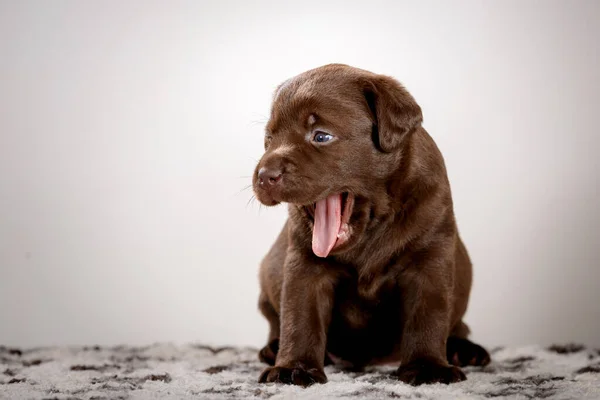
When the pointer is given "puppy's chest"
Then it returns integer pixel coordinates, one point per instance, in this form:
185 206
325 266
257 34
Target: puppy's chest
358 303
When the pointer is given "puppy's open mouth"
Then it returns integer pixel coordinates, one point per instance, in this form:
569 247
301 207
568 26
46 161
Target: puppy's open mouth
331 222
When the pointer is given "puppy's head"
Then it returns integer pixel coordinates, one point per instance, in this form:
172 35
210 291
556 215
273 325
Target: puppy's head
334 134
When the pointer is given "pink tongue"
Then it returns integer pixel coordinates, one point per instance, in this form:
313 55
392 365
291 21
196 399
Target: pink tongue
328 219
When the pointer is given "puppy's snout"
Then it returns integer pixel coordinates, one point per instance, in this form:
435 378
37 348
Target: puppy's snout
269 176
270 179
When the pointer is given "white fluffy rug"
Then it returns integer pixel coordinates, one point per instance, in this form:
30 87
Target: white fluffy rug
201 372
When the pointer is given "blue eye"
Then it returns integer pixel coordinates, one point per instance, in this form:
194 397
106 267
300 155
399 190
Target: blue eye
322 137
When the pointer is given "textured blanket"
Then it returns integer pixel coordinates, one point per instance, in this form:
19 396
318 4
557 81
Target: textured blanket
202 372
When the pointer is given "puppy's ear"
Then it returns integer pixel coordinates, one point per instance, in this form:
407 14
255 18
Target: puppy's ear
395 111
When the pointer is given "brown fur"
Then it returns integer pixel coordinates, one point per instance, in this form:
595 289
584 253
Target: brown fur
397 291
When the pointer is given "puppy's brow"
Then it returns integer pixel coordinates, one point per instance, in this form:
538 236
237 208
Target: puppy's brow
312 119
283 149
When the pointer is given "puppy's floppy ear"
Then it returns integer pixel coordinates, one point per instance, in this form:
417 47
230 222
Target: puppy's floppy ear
395 111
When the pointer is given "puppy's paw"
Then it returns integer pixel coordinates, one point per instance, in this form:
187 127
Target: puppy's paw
463 352
268 354
293 376
424 371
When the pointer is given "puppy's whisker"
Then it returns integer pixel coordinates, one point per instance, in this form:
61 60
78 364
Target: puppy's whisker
244 188
260 120
241 190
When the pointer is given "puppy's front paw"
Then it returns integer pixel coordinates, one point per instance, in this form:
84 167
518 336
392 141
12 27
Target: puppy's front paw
424 371
268 354
462 352
293 376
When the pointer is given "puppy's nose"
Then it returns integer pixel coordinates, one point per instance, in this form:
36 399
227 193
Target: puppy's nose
269 176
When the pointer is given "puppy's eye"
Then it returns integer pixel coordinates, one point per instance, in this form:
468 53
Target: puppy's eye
322 137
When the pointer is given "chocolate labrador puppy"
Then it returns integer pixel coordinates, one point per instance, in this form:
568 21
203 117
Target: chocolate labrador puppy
369 267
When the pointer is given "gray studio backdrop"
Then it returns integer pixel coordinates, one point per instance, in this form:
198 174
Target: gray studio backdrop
129 129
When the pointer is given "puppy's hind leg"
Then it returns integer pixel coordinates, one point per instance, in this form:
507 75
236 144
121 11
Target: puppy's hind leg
268 354
461 352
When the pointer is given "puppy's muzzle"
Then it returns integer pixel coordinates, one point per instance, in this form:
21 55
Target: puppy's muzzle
269 177
269 180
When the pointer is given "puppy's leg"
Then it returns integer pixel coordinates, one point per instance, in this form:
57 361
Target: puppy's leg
426 310
460 351
306 304
268 354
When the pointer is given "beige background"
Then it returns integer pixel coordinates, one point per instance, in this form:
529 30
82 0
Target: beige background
129 129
